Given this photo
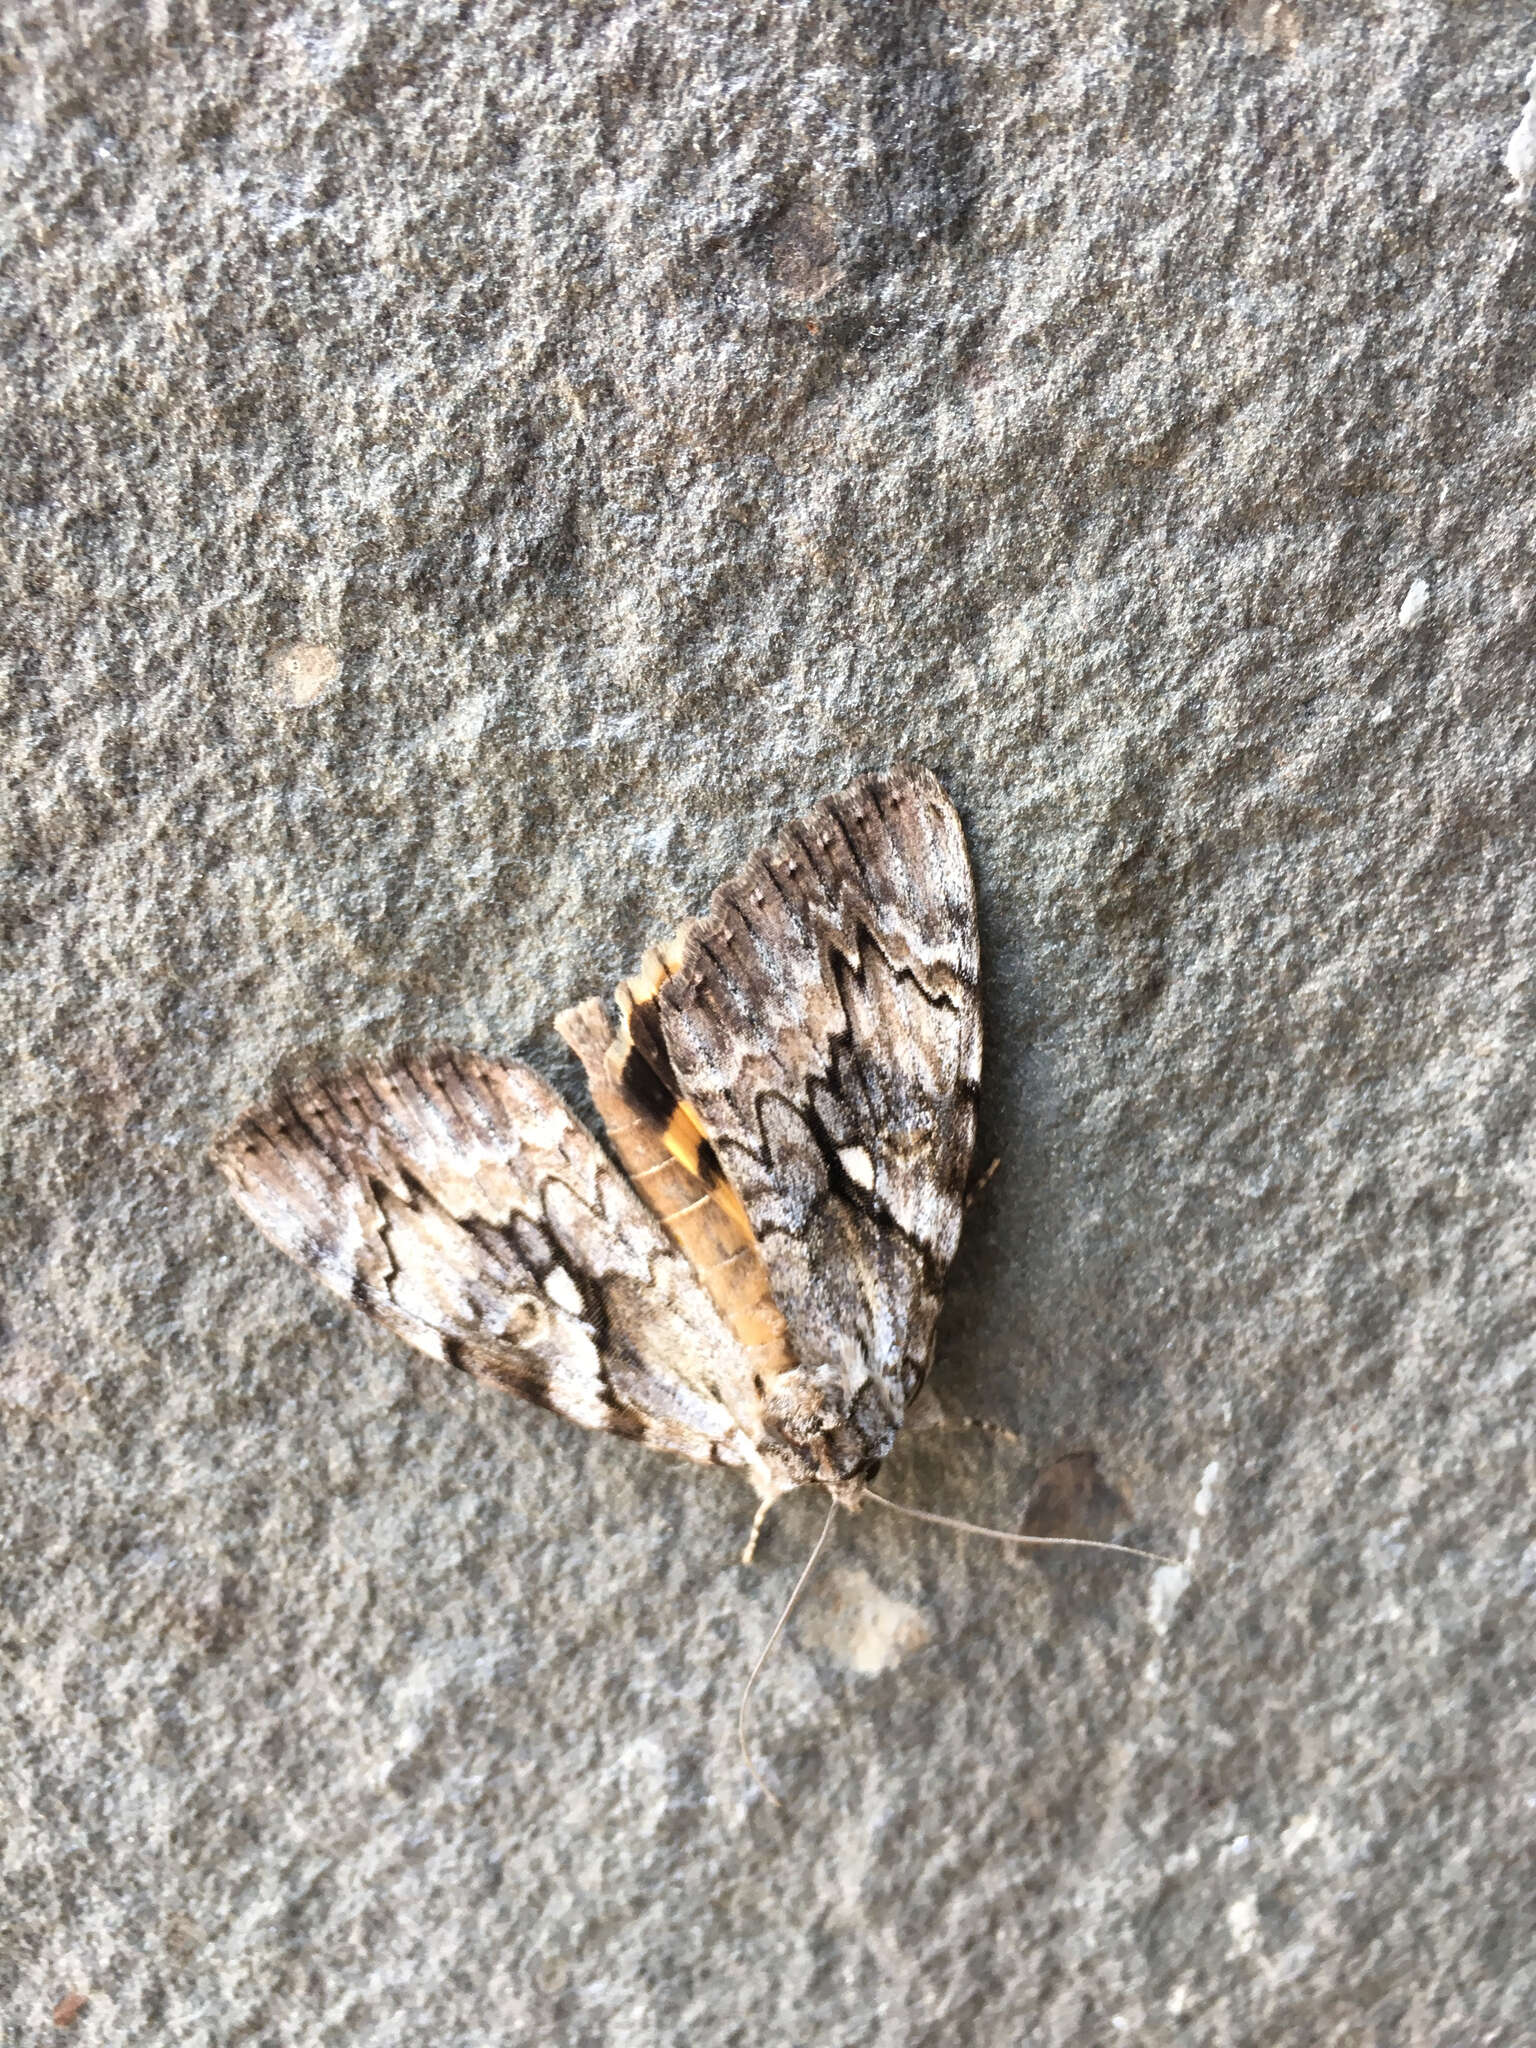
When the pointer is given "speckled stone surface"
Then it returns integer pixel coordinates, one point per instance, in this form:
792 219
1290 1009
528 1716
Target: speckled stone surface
472 471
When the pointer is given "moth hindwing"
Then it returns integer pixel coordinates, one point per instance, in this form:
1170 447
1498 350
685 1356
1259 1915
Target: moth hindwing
790 1086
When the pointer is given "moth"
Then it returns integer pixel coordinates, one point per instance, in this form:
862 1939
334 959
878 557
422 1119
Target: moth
789 1085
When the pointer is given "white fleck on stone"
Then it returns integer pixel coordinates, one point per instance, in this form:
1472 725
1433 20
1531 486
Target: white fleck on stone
1243 1923
1304 1829
862 1627
302 670
1520 153
1169 1582
1205 1492
1415 604
1269 25
1168 1585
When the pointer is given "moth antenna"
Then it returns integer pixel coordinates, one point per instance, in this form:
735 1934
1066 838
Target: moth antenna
1014 1536
763 1655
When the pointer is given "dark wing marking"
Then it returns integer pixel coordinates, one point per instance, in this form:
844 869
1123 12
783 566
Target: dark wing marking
459 1202
823 1021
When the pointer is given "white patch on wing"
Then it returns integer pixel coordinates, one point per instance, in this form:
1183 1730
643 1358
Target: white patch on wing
858 1165
563 1291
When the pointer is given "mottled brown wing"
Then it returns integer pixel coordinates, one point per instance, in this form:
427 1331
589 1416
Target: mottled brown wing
823 1022
459 1202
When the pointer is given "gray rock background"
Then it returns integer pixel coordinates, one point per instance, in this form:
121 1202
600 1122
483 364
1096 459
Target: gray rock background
473 471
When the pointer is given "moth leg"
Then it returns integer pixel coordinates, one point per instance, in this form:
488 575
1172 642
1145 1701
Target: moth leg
928 1416
978 1184
757 1528
1009 1436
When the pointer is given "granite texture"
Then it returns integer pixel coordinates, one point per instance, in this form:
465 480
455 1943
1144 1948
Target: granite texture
472 470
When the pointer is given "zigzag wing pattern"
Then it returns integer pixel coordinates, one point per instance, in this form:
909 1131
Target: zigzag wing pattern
457 1201
823 1022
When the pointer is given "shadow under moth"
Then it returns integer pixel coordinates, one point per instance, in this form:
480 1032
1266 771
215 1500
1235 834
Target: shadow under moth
789 1085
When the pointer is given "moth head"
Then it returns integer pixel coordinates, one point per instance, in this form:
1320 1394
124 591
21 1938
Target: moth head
800 1407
